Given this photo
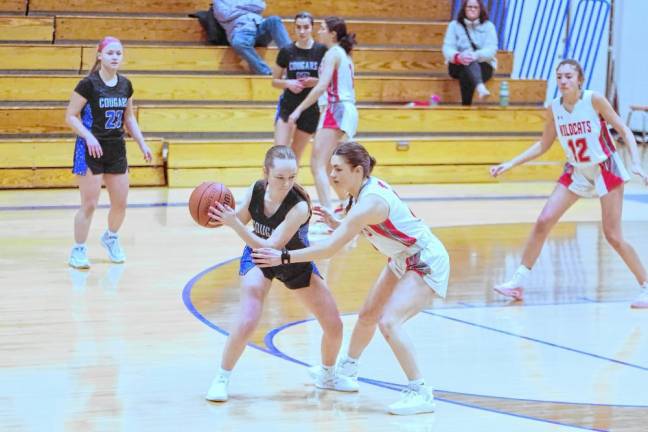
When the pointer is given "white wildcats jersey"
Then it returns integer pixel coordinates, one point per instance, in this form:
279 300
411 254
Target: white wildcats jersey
583 133
340 89
401 232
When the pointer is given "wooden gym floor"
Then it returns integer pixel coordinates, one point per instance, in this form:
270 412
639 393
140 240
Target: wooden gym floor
134 347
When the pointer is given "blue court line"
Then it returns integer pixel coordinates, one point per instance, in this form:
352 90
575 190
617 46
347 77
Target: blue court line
269 341
643 198
272 350
551 344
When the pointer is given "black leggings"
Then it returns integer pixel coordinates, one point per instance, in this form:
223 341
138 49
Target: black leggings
469 77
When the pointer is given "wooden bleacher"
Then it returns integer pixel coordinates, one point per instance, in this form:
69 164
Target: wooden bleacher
155 87
402 160
429 10
203 59
216 119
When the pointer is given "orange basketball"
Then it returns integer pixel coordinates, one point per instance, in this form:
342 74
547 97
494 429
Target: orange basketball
205 196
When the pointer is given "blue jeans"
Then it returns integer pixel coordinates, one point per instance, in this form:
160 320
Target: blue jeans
243 43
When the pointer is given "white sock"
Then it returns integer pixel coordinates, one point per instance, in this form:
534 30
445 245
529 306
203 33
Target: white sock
523 272
111 234
224 373
644 285
79 245
416 384
349 359
328 370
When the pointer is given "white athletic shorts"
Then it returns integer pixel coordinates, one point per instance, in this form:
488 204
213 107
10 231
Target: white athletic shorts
595 180
340 115
432 263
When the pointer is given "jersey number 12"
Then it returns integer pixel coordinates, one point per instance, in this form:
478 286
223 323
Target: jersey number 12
578 148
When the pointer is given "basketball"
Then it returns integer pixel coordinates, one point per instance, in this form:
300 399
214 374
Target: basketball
205 196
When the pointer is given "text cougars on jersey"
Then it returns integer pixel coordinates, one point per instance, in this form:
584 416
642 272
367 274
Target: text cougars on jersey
261 230
113 102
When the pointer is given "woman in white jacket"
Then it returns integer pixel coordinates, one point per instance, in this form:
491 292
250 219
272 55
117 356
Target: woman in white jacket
469 47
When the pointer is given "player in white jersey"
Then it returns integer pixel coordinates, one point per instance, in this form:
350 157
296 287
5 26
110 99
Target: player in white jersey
418 266
339 121
578 118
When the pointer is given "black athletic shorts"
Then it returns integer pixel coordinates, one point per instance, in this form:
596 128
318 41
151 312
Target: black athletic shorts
294 276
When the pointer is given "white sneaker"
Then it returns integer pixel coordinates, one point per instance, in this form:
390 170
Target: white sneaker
641 302
112 246
348 368
482 91
218 390
335 381
512 288
79 258
413 402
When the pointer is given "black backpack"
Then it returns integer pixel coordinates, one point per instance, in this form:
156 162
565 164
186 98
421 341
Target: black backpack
215 32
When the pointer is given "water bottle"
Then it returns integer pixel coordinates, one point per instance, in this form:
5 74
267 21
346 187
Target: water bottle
504 94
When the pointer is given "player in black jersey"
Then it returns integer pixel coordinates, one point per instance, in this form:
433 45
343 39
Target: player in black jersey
99 108
297 72
279 209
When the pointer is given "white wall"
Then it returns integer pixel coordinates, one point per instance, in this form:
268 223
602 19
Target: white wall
631 55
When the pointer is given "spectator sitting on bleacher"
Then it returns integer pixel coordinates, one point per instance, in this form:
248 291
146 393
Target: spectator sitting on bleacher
469 47
246 28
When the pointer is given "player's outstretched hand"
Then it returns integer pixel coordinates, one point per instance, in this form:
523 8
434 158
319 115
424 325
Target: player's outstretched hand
638 170
500 169
266 257
327 216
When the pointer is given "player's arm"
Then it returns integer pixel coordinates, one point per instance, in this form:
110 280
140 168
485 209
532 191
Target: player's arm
329 63
76 104
72 115
372 210
536 150
603 107
297 216
130 123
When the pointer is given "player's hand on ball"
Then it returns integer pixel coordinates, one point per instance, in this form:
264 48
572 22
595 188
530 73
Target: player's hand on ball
266 257
220 214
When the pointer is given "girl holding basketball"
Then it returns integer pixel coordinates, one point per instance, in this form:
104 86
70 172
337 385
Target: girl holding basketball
339 121
99 109
296 72
578 118
418 266
279 210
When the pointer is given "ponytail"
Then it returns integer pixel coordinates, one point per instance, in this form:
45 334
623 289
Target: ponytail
347 42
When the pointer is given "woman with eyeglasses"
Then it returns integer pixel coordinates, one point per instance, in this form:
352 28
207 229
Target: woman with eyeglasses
469 48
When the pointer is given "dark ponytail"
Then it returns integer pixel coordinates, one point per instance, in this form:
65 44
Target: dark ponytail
345 39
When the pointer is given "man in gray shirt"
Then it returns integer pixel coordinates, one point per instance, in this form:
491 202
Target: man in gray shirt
245 28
